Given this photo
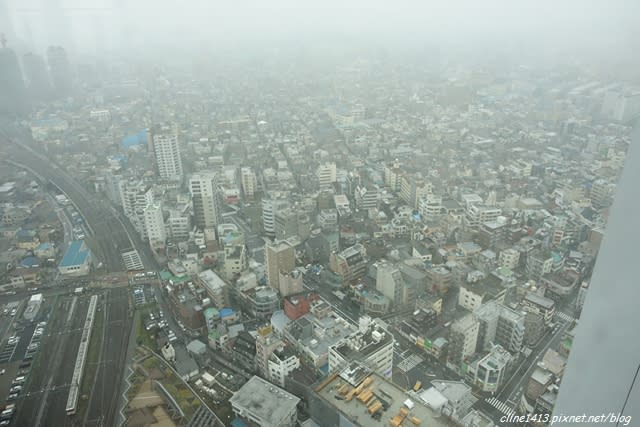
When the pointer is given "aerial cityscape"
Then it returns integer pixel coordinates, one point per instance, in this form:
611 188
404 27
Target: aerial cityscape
300 235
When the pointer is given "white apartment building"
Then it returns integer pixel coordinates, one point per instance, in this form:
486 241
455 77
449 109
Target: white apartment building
393 175
135 197
248 181
270 206
462 340
154 225
509 258
281 363
477 214
167 156
372 344
389 282
326 174
206 199
430 207
179 222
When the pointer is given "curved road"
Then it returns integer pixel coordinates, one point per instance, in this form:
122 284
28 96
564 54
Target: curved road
109 237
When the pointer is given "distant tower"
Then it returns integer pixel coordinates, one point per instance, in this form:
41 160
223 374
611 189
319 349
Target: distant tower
60 70
13 97
37 78
6 25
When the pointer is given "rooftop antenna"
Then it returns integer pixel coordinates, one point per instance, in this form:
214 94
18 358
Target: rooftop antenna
3 40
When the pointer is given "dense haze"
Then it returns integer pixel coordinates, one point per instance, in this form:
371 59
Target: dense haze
592 30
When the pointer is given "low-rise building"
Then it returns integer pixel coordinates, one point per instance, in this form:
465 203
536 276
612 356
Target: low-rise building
262 404
543 306
367 399
76 260
371 344
216 288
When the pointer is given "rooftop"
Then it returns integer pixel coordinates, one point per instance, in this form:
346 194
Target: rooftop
358 346
388 394
76 254
211 280
264 401
541 301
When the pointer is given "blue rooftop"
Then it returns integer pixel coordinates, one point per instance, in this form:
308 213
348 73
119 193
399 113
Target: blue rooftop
44 246
29 261
226 312
76 254
237 422
139 138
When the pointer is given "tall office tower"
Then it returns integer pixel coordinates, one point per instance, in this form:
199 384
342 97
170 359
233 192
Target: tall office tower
279 257
602 373
13 99
60 70
206 199
166 153
37 78
6 24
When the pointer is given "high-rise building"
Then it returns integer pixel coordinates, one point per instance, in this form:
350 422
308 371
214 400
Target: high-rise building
462 341
601 193
135 197
366 197
166 153
326 174
206 199
266 343
249 182
285 224
154 225
270 206
389 282
37 78
179 222
393 175
488 373
602 369
60 70
499 324
413 189
279 257
350 264
509 258
13 99
6 24
290 283
430 207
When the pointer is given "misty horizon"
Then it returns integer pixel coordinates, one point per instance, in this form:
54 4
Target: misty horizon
586 31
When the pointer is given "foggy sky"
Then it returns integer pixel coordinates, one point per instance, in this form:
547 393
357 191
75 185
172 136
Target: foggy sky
595 28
